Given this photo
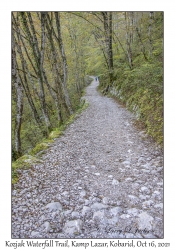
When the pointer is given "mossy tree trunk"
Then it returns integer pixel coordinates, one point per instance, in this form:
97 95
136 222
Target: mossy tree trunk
63 55
19 104
26 74
151 15
107 22
128 41
39 58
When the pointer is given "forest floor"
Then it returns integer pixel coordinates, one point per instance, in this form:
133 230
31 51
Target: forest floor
101 179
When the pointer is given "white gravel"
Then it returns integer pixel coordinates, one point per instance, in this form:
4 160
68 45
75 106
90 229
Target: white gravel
92 182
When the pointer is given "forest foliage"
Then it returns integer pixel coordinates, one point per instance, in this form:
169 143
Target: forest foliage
54 52
48 76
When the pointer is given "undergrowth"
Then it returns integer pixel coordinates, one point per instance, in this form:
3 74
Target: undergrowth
141 90
33 155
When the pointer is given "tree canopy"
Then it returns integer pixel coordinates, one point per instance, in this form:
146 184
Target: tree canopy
54 52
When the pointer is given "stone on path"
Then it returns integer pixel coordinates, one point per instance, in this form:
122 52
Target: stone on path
125 216
67 212
83 193
147 203
97 174
113 221
54 206
85 210
128 179
35 234
47 226
75 215
145 190
132 197
126 162
105 200
73 227
110 176
133 211
115 210
145 221
97 206
98 214
93 166
115 182
160 205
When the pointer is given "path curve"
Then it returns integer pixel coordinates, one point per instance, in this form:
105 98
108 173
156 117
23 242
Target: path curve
101 179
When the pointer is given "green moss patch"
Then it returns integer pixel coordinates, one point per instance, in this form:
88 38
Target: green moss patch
39 147
55 133
23 162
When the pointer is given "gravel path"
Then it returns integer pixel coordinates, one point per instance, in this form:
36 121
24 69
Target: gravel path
101 179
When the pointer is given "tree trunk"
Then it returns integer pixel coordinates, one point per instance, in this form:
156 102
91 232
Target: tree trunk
151 15
54 94
57 76
19 103
110 52
26 72
128 43
97 38
27 92
132 27
63 55
142 45
39 57
107 22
